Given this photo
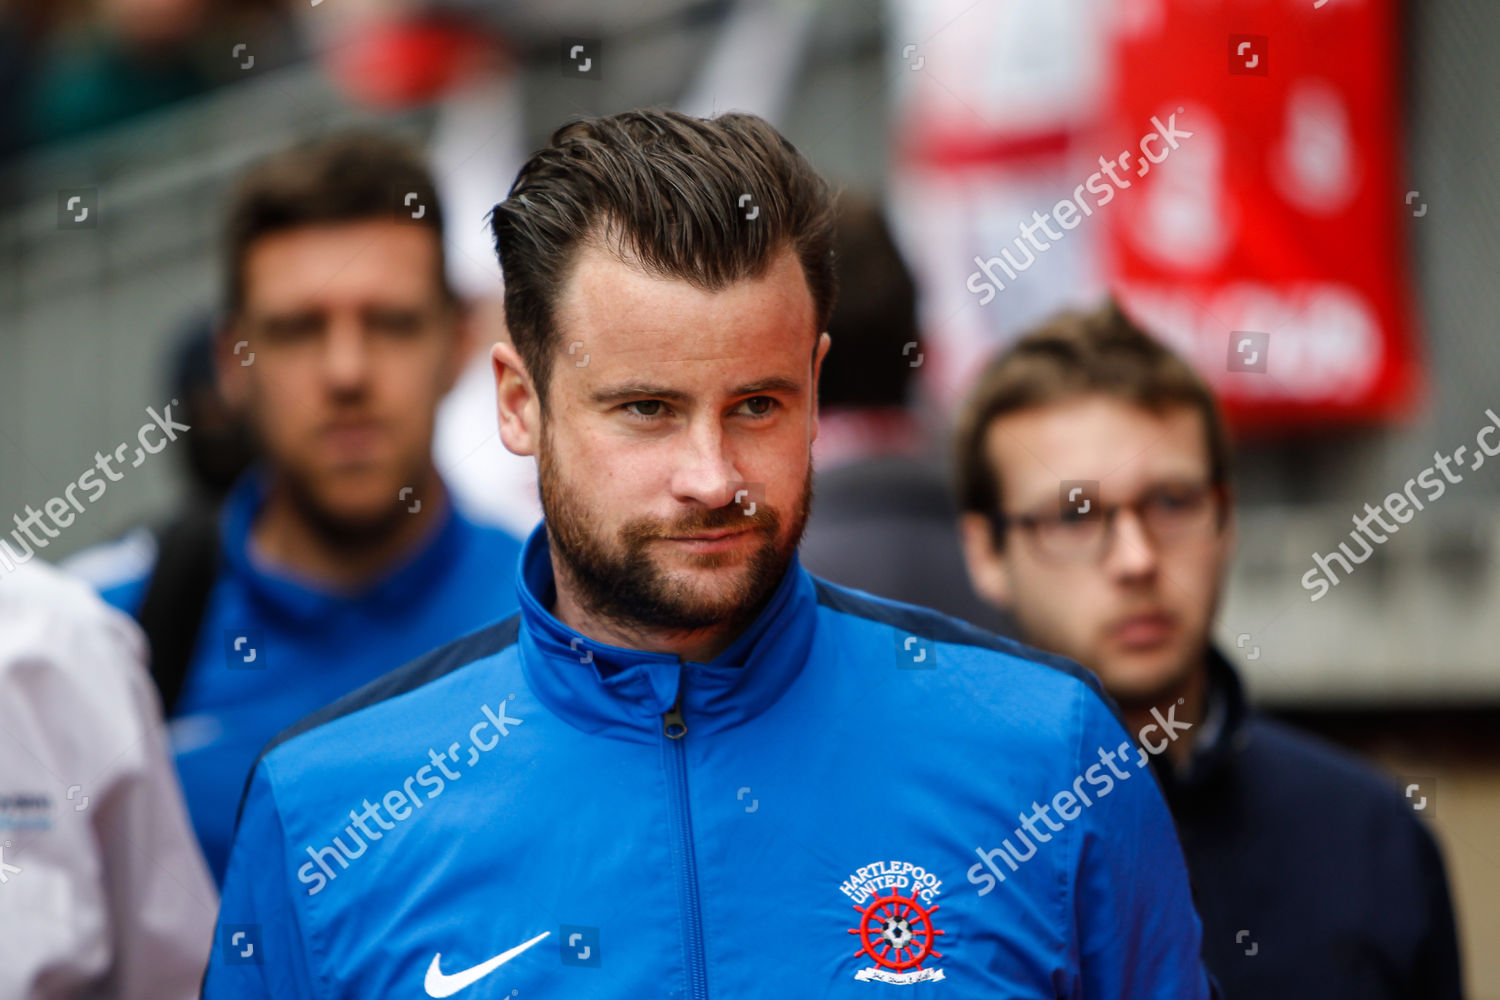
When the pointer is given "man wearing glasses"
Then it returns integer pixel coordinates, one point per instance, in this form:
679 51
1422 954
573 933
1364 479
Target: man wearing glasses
1093 477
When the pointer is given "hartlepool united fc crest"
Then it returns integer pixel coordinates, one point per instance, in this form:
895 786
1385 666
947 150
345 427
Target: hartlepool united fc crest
895 903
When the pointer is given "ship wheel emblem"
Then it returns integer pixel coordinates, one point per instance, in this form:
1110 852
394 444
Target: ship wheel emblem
896 932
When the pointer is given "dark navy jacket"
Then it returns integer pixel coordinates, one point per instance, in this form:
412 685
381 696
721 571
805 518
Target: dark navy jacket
1313 875
523 813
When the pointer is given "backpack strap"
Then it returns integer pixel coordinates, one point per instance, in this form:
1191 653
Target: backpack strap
171 612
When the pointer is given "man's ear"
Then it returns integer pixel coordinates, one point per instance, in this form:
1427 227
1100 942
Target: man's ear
1228 534
989 573
233 355
824 342
520 410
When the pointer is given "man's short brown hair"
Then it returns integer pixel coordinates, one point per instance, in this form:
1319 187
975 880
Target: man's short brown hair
1072 355
710 201
349 177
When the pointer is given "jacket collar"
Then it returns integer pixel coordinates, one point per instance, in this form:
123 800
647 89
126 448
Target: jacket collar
1221 736
305 602
623 693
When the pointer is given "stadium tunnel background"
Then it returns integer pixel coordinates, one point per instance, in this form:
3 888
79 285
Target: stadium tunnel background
1400 661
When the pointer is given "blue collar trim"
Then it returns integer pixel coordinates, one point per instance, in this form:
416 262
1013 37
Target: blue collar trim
305 601
619 692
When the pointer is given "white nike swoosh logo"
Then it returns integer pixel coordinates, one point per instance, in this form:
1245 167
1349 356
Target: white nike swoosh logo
439 985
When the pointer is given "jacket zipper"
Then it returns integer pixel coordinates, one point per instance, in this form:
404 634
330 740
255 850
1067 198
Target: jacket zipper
673 729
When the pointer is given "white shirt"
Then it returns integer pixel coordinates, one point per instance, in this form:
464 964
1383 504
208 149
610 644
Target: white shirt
103 891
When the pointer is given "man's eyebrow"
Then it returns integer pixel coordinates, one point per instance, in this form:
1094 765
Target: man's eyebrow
773 383
639 390
635 390
288 315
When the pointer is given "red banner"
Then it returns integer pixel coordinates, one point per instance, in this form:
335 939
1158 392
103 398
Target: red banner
1269 244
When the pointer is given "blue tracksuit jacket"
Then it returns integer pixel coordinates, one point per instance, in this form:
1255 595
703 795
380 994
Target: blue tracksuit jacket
830 809
273 647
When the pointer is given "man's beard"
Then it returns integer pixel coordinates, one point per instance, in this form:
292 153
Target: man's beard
339 530
621 583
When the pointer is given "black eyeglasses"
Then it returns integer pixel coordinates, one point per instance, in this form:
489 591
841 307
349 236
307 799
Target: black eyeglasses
1081 531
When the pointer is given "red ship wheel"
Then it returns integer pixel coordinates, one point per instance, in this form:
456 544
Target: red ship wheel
896 932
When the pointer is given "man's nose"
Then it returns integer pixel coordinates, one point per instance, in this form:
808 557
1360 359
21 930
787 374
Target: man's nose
1132 552
346 356
706 471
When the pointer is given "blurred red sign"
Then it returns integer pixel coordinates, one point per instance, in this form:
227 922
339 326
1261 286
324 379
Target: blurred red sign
1270 245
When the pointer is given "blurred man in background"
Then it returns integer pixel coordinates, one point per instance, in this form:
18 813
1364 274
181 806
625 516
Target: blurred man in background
884 521
342 555
1093 475
103 891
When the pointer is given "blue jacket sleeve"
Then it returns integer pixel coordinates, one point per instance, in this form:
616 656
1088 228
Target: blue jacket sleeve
1137 934
260 950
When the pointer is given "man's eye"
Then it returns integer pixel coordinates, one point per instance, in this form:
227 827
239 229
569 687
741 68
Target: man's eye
293 328
645 408
394 322
760 406
1174 501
